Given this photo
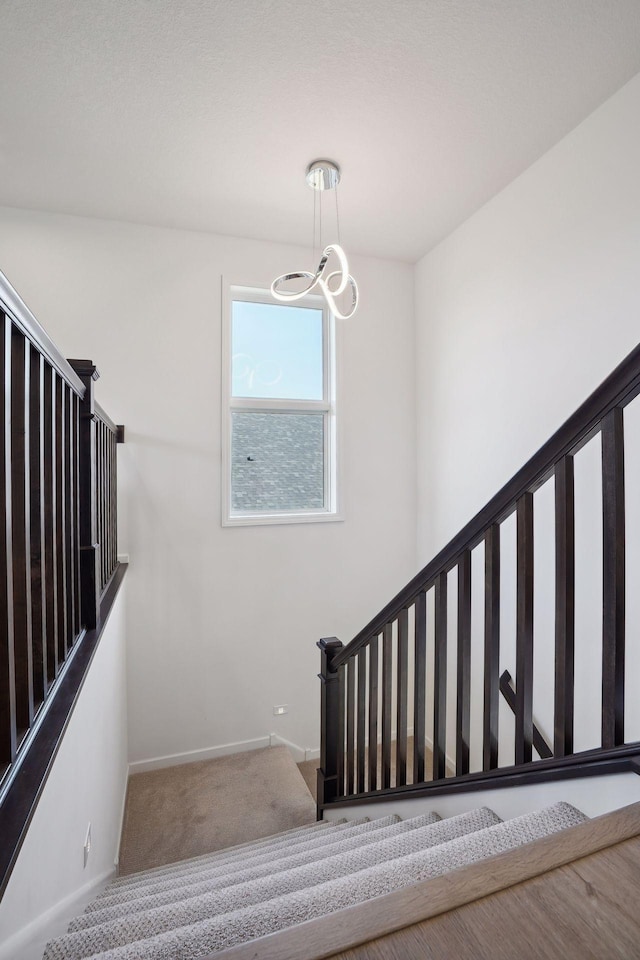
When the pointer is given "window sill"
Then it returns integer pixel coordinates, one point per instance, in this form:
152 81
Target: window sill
262 519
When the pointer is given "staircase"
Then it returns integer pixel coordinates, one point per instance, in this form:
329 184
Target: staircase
201 906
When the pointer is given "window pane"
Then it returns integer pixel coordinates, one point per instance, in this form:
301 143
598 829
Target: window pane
276 351
277 462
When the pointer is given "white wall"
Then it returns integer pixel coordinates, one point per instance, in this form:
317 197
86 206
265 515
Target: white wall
86 785
222 623
520 314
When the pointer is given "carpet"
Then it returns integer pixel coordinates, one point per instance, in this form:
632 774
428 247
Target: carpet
195 808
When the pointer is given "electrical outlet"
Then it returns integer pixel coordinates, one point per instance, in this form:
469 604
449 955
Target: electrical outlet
281 710
87 845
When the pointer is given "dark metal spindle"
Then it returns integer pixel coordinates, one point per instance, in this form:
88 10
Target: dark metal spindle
401 697
61 520
565 607
76 486
50 523
362 713
68 512
463 703
21 500
440 680
491 646
341 789
373 714
387 688
38 570
613 573
8 731
524 630
351 707
419 688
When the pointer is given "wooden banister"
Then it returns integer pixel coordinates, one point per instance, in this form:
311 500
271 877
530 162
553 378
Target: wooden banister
421 611
58 550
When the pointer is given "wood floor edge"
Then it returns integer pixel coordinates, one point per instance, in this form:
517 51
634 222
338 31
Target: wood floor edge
323 937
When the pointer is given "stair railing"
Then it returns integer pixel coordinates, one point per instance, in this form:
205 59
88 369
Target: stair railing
58 551
376 691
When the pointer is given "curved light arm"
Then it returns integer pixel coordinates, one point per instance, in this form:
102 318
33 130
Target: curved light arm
318 279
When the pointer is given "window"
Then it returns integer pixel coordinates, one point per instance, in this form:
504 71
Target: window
279 424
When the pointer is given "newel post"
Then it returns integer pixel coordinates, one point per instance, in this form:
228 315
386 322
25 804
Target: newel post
89 549
330 723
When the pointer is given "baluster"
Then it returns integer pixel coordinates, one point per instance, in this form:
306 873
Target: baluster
373 714
351 708
341 789
114 502
401 697
387 681
362 712
8 731
565 607
50 524
419 688
76 517
61 520
100 504
21 498
112 491
491 647
38 598
104 492
330 746
440 681
68 512
524 631
463 710
613 571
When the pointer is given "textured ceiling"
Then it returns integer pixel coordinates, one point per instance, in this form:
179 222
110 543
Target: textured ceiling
204 113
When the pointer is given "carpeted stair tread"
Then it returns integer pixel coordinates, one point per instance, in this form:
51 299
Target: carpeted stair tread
193 941
352 848
208 862
230 853
138 926
263 865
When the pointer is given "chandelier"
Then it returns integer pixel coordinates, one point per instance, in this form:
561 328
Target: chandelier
322 175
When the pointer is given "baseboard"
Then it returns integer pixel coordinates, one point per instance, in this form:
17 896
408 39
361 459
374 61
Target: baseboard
29 942
299 754
116 859
192 756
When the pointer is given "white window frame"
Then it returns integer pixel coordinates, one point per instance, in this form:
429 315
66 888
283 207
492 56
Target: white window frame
326 406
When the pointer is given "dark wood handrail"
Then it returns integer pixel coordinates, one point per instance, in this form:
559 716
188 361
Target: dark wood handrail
619 388
540 744
14 306
106 419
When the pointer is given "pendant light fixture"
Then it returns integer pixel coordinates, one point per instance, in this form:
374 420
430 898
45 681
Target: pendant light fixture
322 175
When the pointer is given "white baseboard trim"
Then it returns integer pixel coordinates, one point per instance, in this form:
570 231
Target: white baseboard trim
192 756
299 754
210 753
116 858
29 942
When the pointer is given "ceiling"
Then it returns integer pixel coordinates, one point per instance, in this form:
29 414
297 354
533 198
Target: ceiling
204 113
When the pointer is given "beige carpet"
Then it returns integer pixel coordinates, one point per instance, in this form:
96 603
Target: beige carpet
309 770
195 808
